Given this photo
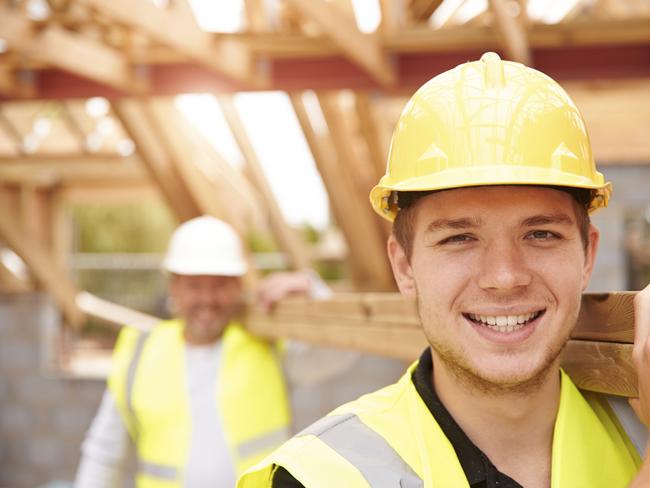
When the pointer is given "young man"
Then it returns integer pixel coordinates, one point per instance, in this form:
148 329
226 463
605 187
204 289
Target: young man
490 182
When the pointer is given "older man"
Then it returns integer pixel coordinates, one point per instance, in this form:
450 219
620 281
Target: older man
200 397
490 183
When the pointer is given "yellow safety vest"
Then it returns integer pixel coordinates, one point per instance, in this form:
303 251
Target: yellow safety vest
148 383
390 439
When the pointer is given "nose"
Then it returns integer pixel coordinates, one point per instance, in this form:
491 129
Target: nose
503 267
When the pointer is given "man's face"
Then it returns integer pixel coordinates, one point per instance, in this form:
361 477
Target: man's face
206 304
498 273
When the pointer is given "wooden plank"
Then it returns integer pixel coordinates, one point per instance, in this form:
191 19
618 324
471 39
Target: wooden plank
287 237
114 314
598 357
363 49
137 122
175 27
68 51
512 32
44 268
603 367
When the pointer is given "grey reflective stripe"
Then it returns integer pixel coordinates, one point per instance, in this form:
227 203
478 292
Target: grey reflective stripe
261 443
130 377
635 430
160 471
366 450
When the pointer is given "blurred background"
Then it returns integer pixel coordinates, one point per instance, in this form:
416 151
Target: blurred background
120 119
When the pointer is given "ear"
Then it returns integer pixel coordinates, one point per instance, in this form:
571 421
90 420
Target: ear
401 266
590 255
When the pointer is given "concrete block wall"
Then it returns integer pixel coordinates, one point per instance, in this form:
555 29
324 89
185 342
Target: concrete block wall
43 418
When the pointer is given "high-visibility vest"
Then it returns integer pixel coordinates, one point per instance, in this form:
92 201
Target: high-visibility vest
390 439
149 385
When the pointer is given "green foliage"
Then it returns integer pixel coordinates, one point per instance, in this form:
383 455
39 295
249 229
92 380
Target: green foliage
123 228
260 241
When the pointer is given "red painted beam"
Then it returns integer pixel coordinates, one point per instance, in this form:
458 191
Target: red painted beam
575 63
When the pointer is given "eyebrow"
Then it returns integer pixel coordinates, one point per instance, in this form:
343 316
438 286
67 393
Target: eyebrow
474 222
462 223
543 219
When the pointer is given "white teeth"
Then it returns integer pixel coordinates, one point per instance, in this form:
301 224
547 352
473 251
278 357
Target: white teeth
503 323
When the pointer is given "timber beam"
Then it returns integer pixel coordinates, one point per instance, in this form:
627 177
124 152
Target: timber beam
68 51
576 50
598 357
176 27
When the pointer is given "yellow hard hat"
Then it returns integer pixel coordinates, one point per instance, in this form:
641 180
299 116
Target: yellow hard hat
489 122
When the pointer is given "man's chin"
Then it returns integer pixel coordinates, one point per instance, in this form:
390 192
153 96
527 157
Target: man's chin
202 332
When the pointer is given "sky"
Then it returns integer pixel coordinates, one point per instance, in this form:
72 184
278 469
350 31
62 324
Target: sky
279 144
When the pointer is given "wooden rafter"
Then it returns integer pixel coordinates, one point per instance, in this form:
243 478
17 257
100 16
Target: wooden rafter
11 129
68 51
49 172
177 28
42 265
74 126
257 15
598 357
421 10
10 283
358 221
286 236
393 16
211 197
513 32
138 122
225 178
364 50
370 130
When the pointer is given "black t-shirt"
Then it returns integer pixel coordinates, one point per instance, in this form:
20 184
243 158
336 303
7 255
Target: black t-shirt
479 470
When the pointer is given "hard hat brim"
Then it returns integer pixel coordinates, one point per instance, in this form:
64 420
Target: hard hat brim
488 175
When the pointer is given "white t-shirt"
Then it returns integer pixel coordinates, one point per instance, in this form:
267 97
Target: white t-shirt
107 446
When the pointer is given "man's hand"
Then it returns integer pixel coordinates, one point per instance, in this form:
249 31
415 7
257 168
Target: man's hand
641 354
279 285
641 357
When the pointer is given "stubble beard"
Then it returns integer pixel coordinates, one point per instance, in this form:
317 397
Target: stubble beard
470 377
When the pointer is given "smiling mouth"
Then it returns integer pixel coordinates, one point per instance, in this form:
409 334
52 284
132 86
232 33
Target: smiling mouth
503 323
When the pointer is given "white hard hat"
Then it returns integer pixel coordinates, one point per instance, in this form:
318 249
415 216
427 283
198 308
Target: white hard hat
205 246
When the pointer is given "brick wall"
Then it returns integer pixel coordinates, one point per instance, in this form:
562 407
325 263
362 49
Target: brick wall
42 418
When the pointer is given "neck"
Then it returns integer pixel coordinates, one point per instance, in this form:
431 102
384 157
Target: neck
513 429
